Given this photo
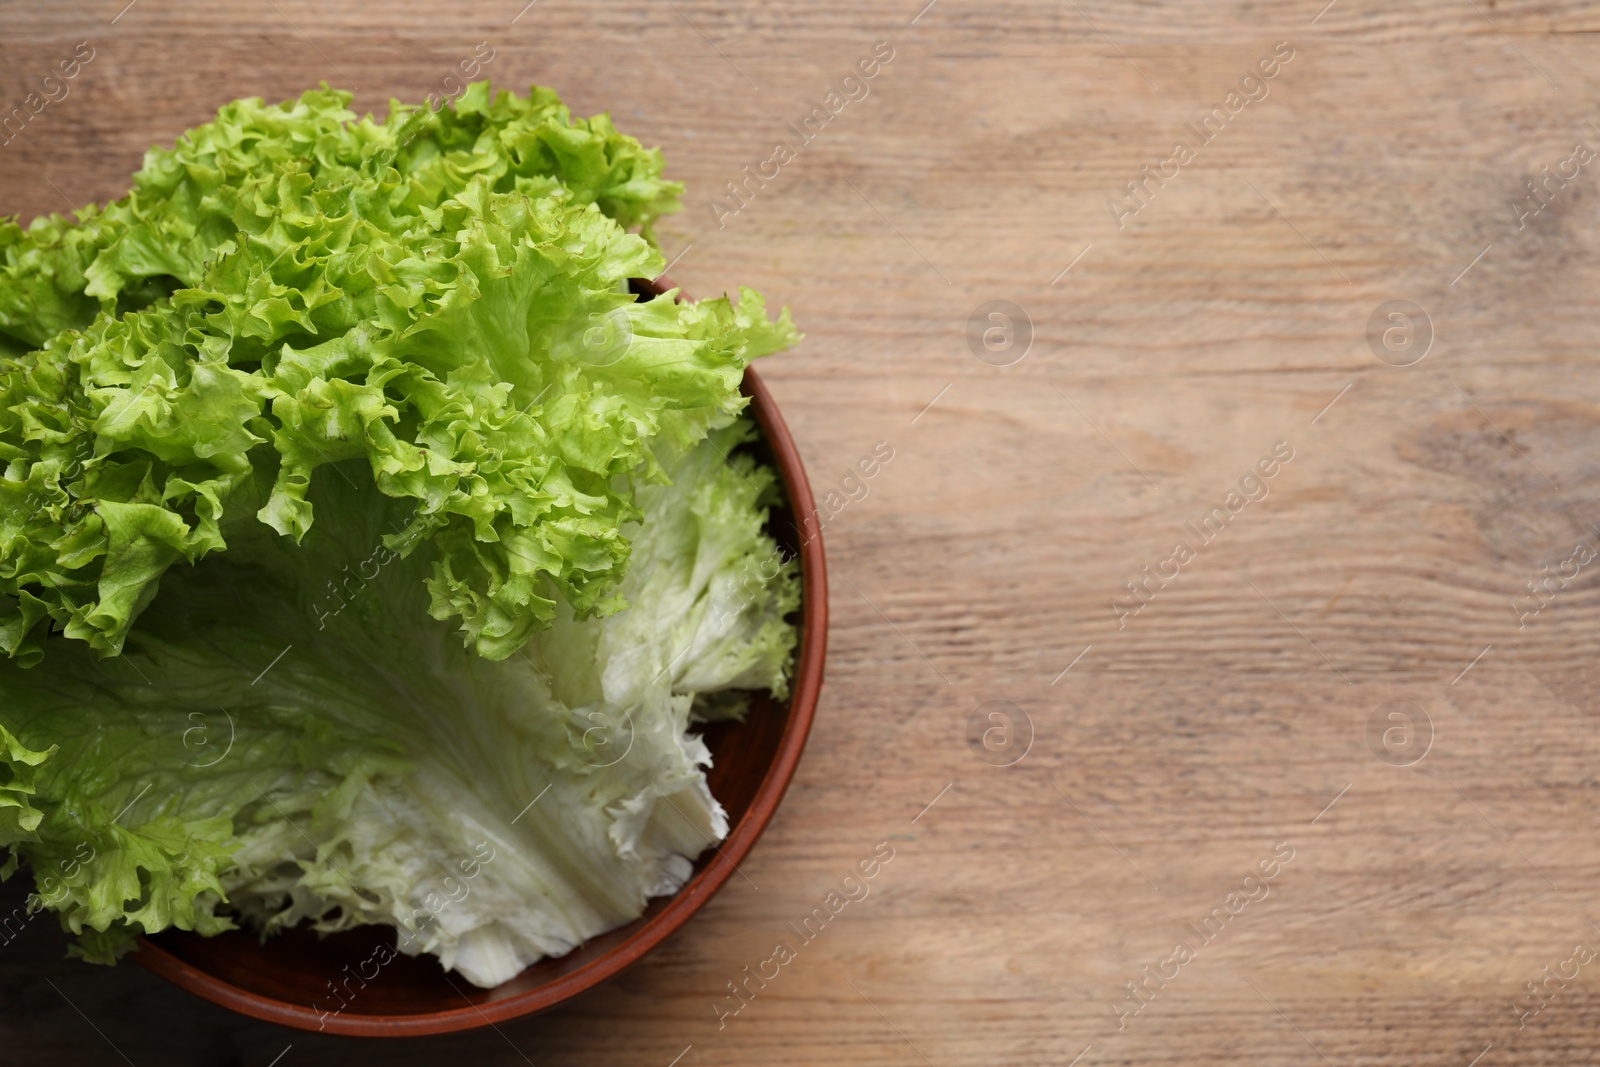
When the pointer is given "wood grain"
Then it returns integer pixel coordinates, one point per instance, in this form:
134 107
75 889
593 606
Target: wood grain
1223 718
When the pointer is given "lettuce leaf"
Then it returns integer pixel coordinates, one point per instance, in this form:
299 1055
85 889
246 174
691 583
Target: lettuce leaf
227 178
486 363
268 750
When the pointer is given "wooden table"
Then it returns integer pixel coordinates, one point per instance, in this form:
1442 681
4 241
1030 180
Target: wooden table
1440 860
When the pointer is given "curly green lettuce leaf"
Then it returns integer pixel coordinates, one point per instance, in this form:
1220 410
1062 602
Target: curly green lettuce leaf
223 182
18 782
486 363
289 738
714 594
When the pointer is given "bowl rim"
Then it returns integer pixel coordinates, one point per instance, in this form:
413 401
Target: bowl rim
687 901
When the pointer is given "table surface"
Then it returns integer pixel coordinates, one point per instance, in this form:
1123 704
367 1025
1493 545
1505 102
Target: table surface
1345 667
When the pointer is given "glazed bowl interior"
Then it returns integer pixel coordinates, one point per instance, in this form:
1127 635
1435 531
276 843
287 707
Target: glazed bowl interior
287 979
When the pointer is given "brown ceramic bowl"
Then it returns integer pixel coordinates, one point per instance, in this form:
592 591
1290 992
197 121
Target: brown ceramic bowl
752 764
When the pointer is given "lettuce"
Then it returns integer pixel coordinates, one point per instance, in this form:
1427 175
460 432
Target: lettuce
367 550
339 337
224 180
